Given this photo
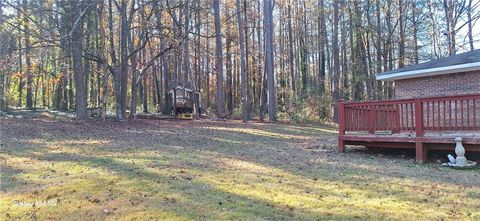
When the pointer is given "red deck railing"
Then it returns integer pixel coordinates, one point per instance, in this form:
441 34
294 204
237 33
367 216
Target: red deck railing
433 114
451 113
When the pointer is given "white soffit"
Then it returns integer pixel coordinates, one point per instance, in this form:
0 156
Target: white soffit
430 72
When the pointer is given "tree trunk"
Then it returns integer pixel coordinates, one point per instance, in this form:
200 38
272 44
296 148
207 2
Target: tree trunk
268 29
448 8
20 65
260 73
134 84
336 62
470 25
219 98
76 49
196 85
157 85
28 63
243 68
186 44
321 50
100 53
401 42
378 49
167 105
229 70
144 92
263 96
116 72
123 78
415 31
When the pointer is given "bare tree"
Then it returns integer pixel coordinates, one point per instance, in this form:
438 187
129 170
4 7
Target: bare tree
415 31
401 41
454 10
28 62
20 61
123 75
268 29
470 25
336 61
243 66
76 18
219 98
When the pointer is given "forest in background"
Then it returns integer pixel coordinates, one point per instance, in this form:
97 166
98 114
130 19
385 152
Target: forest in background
288 59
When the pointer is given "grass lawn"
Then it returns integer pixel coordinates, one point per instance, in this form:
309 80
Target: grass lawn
209 170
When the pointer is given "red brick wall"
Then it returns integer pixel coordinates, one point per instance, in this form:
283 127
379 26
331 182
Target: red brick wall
440 85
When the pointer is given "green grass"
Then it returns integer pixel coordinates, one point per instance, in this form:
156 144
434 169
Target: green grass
205 170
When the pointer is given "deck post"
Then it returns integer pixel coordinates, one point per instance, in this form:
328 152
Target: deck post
420 152
420 147
341 125
418 118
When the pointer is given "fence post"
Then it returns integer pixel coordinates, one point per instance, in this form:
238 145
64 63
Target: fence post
419 118
420 147
396 117
341 125
372 119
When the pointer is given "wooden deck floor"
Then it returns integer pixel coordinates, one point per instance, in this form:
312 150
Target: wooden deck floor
430 141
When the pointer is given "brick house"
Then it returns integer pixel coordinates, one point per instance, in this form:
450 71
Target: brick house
434 103
454 75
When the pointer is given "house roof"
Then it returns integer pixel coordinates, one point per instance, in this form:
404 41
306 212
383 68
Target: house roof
469 61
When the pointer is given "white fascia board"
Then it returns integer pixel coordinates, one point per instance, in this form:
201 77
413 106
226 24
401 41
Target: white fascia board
430 72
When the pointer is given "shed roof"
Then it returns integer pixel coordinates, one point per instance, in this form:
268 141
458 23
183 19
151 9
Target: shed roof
468 61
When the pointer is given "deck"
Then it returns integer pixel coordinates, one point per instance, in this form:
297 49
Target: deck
423 124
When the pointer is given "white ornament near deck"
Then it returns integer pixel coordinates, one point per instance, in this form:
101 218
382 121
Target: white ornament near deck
461 161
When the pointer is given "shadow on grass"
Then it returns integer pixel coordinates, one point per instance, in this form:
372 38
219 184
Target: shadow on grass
130 150
9 178
224 203
263 143
206 200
